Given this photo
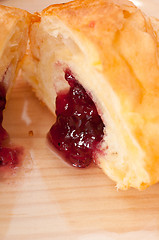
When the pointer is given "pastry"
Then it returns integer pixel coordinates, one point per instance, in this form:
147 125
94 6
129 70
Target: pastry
14 28
95 64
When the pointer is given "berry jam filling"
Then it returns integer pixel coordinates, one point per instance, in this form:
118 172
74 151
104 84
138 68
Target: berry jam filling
78 129
9 156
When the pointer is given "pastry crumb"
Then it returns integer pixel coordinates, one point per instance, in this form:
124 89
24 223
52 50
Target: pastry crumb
31 133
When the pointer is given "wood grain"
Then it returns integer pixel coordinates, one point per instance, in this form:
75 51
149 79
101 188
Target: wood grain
48 199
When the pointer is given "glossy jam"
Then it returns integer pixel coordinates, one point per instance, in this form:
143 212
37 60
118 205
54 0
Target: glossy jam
9 156
78 129
3 133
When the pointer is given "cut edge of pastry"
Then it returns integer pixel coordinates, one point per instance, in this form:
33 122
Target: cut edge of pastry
68 48
14 32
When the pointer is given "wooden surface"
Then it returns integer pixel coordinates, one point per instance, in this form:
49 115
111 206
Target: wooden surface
47 199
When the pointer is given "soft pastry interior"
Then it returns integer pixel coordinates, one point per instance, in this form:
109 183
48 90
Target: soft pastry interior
111 48
14 28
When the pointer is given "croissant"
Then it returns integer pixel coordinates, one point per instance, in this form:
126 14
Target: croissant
14 28
95 64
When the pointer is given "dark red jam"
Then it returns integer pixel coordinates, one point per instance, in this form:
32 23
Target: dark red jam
78 129
9 156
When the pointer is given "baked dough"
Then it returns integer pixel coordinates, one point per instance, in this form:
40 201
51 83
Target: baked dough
112 48
14 28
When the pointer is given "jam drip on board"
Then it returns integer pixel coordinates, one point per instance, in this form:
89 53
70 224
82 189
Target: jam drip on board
78 130
9 156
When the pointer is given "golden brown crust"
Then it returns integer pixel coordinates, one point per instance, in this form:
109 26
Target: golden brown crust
121 45
8 18
14 28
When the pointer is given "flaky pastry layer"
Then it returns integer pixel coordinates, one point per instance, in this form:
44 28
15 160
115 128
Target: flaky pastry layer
14 29
112 49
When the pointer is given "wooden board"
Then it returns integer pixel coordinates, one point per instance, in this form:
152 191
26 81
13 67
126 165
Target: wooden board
47 199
